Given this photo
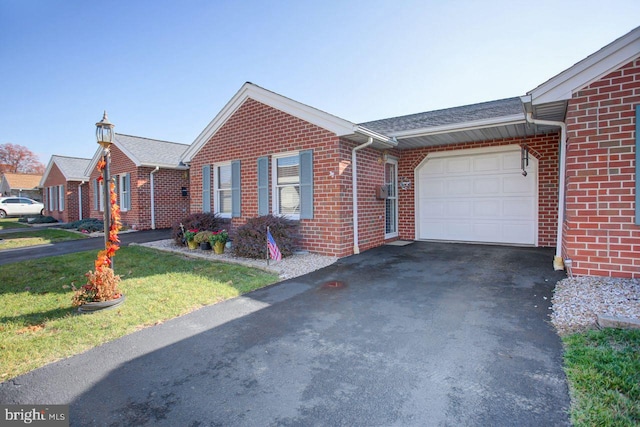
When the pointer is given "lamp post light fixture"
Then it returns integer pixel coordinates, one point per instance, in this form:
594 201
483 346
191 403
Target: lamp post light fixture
104 135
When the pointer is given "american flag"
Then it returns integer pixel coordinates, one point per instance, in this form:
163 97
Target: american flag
274 252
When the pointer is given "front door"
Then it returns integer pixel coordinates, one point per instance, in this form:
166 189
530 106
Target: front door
391 203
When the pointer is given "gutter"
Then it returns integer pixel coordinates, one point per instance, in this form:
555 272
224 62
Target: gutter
558 263
354 177
153 204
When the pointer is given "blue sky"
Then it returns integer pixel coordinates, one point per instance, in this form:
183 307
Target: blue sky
164 69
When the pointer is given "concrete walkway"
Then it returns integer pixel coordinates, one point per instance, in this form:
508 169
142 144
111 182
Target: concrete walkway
426 334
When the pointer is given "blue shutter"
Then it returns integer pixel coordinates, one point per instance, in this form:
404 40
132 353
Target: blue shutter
306 184
235 189
637 166
62 198
206 188
263 186
127 189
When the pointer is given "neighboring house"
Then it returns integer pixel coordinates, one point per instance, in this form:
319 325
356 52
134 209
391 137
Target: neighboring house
66 188
554 168
151 183
21 184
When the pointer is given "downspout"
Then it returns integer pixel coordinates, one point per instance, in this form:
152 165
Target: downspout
80 200
153 204
354 176
558 263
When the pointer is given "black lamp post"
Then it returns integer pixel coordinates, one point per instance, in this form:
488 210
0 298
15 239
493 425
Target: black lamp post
104 135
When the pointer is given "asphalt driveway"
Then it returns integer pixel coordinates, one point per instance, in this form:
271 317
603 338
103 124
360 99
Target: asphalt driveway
425 334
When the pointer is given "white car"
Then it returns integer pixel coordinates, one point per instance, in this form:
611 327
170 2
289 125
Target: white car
17 206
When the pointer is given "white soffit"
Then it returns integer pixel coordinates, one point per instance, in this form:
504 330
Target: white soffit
564 85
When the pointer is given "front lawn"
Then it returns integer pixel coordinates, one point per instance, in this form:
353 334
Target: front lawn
36 237
7 223
38 324
603 370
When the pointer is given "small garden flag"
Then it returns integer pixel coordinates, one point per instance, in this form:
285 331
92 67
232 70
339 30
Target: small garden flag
274 252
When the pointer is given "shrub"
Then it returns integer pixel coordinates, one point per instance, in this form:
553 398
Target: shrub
37 219
198 221
250 239
88 225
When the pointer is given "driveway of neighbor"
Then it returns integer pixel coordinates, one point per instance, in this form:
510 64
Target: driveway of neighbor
425 334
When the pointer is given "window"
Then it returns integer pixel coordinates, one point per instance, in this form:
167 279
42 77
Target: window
53 193
292 184
222 186
123 190
286 179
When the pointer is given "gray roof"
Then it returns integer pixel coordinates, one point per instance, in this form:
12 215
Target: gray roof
73 168
150 152
448 116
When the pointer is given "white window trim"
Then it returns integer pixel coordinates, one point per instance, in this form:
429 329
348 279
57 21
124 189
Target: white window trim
101 196
275 197
216 191
121 192
393 161
61 198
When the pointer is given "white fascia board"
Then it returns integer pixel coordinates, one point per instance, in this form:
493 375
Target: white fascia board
312 115
391 142
94 162
45 175
460 127
126 152
595 66
164 166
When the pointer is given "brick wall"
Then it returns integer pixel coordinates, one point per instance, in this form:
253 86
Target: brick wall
543 147
71 211
600 235
170 205
257 130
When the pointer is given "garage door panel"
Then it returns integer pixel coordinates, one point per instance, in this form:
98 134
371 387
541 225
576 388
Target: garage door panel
478 198
486 163
457 165
487 185
458 187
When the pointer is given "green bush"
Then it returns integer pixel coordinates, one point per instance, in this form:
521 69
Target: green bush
37 219
250 239
198 221
88 225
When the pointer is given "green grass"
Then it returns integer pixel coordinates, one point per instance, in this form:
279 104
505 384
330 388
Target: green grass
603 369
7 223
36 237
38 324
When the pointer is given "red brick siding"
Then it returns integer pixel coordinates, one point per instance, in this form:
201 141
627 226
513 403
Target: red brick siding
600 235
257 130
71 210
170 205
543 147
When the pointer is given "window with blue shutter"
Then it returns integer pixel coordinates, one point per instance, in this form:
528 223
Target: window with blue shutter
306 184
263 186
235 189
206 188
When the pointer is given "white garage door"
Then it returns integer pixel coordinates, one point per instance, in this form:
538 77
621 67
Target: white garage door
478 197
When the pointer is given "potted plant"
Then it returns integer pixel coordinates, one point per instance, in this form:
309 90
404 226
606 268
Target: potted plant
189 236
202 239
219 240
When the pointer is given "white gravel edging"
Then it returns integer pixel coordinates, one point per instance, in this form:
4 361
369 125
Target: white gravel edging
289 267
577 302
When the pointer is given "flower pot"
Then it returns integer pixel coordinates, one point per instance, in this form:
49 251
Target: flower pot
92 307
205 246
218 247
192 244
